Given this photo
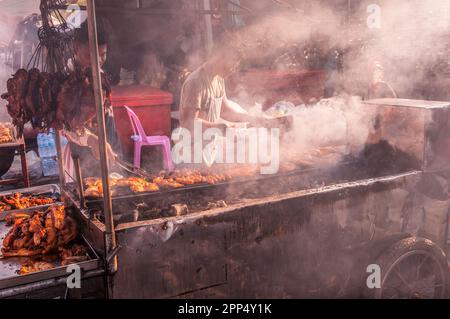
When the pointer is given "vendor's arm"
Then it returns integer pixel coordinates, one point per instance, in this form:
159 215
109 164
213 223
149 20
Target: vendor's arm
80 139
233 112
89 139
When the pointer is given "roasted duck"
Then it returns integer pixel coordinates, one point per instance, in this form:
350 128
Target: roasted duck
51 100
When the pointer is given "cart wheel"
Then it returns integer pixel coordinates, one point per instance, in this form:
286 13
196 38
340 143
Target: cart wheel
6 160
413 268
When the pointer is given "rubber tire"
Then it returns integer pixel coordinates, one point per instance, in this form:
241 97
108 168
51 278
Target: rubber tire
6 160
403 247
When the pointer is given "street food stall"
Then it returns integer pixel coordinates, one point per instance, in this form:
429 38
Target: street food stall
309 230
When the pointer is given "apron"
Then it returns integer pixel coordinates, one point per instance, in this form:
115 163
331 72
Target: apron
210 150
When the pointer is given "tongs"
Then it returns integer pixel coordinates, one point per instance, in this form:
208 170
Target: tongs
130 168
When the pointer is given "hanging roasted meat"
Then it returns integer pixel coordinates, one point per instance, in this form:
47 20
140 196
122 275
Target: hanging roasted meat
17 87
31 96
52 100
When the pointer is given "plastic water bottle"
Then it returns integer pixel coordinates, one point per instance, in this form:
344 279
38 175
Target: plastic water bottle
49 166
44 164
42 145
51 145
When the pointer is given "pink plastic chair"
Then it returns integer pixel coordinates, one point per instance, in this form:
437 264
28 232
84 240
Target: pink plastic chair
141 139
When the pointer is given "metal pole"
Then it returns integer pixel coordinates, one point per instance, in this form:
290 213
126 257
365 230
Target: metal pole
62 173
208 24
110 238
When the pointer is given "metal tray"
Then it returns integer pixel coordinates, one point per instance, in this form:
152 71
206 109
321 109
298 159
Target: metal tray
51 190
8 266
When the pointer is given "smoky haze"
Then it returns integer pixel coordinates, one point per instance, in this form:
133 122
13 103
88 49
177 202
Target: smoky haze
407 38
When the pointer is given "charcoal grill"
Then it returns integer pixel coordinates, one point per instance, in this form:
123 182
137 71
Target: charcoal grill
295 223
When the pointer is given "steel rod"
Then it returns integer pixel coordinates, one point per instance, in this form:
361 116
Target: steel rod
79 181
110 238
62 179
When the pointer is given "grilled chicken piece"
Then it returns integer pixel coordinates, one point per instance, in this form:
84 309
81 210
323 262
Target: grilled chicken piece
68 233
57 215
160 181
37 229
72 255
11 219
34 266
18 201
144 187
23 242
11 236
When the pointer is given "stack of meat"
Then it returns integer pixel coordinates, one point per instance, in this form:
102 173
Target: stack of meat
43 233
51 100
19 201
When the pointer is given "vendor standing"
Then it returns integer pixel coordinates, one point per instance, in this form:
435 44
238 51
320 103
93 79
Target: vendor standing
85 145
203 95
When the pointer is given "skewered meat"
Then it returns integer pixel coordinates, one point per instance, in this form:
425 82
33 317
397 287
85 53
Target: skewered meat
171 183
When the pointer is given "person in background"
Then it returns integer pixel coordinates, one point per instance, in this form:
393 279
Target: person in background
85 145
